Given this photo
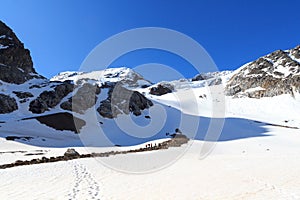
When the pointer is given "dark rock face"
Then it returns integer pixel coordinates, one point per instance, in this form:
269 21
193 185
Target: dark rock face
17 66
50 99
85 98
106 110
23 95
161 89
38 106
198 77
7 104
296 52
61 121
121 100
274 74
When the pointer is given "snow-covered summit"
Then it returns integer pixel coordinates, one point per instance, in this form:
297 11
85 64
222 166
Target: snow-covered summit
101 77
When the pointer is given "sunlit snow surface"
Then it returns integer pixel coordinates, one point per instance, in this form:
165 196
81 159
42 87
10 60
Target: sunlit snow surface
252 158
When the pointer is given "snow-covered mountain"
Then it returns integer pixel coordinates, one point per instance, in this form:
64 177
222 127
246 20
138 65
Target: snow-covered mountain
55 109
250 113
271 75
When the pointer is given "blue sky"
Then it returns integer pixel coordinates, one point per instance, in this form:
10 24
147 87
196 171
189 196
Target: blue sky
60 34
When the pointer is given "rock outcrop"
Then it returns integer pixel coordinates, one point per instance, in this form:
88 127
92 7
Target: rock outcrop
85 98
50 99
198 77
271 75
7 104
23 95
121 100
15 61
161 89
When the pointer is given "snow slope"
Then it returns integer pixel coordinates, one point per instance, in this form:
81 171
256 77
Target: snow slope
252 157
256 168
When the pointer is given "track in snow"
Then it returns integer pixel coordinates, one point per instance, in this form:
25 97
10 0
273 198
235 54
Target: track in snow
85 187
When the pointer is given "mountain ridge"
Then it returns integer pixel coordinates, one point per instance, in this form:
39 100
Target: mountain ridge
113 93
273 74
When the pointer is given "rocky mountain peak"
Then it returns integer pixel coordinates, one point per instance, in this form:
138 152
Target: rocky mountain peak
271 75
15 61
295 52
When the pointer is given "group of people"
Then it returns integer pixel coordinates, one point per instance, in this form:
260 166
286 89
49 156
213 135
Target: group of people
150 145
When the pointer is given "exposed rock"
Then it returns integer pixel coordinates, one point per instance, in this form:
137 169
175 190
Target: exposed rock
50 99
23 95
296 52
17 66
161 89
121 100
61 121
71 153
274 74
85 98
13 138
105 110
198 78
67 105
38 106
64 89
7 104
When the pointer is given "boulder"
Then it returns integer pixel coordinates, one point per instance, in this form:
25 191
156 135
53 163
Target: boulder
71 153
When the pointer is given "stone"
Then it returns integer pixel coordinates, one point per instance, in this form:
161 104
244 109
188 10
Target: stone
71 153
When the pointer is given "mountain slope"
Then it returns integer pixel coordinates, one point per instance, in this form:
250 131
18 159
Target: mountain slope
130 110
271 75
